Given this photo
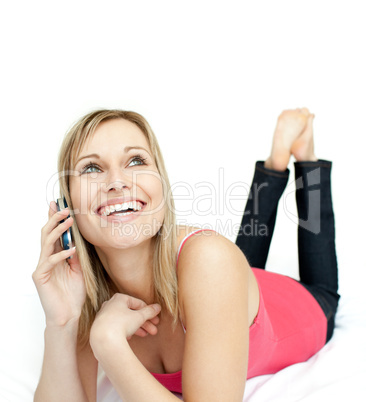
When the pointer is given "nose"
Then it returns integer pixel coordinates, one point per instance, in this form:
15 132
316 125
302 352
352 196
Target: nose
116 180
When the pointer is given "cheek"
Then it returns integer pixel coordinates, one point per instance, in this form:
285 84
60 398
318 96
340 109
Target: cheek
80 196
82 193
75 195
153 188
152 185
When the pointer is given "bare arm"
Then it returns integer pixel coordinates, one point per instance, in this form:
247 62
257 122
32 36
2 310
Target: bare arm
60 379
130 378
61 288
213 291
117 321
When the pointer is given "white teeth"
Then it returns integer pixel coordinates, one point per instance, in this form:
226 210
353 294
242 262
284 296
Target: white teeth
124 213
107 210
136 206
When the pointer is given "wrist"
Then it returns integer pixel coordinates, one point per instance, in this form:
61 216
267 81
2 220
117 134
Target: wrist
71 327
61 337
106 348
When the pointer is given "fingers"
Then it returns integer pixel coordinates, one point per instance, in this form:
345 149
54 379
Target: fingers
51 251
50 240
149 318
50 262
55 218
51 244
155 320
149 328
145 315
62 255
135 304
141 332
52 209
148 313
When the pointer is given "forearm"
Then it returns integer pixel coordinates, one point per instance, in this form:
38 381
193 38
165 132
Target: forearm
60 379
130 378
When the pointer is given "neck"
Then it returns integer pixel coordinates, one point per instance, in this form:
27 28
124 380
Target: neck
131 269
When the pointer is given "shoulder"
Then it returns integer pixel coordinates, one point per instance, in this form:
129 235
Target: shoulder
183 231
188 233
204 245
207 260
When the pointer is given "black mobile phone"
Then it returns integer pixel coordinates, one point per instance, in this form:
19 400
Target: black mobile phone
66 237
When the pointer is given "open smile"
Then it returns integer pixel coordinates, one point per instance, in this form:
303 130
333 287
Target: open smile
120 209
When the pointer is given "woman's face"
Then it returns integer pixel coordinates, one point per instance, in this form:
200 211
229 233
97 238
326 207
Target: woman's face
116 190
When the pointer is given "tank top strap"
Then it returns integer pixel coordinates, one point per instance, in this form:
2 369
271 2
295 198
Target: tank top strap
186 238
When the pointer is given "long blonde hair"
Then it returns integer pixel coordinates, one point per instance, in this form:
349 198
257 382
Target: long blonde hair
99 286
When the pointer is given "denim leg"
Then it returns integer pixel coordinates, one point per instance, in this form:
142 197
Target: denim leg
316 235
257 226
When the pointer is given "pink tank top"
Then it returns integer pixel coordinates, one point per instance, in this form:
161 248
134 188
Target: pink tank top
289 328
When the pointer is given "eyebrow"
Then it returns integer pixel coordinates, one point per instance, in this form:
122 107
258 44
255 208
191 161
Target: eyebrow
127 149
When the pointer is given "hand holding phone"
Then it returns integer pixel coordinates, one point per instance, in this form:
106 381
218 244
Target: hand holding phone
59 281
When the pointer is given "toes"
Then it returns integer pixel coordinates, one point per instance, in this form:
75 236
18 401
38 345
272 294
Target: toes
308 131
311 118
305 111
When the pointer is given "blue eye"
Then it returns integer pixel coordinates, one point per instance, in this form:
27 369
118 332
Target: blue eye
91 168
139 159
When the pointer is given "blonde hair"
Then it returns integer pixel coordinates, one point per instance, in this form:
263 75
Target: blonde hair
99 287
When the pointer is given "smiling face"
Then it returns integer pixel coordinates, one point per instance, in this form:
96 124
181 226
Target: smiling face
117 191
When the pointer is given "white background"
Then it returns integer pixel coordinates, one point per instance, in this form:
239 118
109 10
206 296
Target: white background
211 78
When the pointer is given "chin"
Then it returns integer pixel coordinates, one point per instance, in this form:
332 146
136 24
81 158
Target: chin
124 241
119 235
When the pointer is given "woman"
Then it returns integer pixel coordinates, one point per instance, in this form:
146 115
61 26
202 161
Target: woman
136 281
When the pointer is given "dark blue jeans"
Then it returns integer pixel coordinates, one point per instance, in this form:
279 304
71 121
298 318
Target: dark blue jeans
316 234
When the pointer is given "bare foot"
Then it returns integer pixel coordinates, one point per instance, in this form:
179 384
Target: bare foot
303 147
290 126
